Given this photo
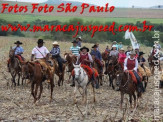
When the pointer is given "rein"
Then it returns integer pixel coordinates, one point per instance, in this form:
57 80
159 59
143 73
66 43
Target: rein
127 80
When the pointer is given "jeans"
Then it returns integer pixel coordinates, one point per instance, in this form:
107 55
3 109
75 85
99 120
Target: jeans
59 60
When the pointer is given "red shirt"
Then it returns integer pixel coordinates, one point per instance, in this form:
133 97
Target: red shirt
130 64
83 57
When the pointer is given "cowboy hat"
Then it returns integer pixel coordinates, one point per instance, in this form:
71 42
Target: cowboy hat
141 53
18 42
40 41
55 43
132 53
156 42
114 42
94 46
122 49
84 48
79 38
114 46
74 41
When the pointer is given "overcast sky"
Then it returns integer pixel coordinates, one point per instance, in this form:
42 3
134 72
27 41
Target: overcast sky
116 3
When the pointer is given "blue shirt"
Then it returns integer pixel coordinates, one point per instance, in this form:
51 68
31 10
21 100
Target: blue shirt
120 46
18 50
97 54
55 51
75 50
79 44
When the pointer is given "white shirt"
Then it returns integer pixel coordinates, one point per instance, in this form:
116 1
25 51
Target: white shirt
136 64
40 52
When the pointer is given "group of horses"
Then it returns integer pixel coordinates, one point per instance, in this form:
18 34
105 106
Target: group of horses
32 70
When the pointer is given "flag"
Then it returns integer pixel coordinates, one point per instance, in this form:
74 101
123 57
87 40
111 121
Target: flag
130 35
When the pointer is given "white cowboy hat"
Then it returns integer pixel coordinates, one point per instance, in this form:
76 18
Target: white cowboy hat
79 38
132 52
114 46
122 49
55 43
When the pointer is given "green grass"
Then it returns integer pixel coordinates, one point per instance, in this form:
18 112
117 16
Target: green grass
30 18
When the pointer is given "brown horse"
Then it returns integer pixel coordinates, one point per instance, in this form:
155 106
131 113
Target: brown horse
98 68
105 56
112 64
57 71
127 86
33 71
15 66
70 61
153 61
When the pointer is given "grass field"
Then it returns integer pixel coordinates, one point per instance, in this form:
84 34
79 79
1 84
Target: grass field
30 18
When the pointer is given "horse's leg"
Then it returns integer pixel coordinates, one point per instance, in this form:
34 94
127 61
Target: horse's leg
13 79
32 89
75 89
109 81
122 96
85 95
36 89
94 99
146 83
52 87
130 99
134 96
18 79
41 88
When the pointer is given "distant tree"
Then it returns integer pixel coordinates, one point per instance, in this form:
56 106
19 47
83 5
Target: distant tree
159 6
133 6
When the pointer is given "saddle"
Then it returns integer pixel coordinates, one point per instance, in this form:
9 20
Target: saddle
134 76
20 58
90 71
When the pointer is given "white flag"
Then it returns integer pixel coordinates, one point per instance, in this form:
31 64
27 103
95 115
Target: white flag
130 35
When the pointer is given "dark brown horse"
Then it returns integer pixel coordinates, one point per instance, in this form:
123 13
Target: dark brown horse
70 61
14 66
126 86
112 65
33 71
98 68
57 71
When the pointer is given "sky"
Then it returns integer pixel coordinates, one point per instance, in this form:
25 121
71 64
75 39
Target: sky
116 3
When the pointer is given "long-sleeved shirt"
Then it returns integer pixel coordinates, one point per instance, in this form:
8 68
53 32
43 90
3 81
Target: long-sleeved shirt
79 44
136 64
97 54
18 50
114 53
55 51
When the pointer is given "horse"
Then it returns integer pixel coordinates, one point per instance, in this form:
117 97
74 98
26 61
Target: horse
58 73
112 63
33 71
70 60
153 61
127 86
98 68
105 56
82 81
14 66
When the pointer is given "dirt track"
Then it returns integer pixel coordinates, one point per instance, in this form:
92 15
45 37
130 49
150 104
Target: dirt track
15 103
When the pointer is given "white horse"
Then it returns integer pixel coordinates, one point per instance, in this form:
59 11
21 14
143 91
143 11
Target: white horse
81 81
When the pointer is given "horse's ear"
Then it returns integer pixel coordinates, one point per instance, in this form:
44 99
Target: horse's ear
80 64
73 64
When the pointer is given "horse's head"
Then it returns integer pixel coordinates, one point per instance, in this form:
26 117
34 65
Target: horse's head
11 53
25 70
119 77
77 71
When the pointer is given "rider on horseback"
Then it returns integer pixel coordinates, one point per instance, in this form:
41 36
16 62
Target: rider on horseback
41 55
121 57
75 48
131 66
56 55
98 58
18 52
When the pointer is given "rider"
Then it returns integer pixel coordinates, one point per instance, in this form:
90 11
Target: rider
18 52
128 51
75 48
41 54
157 45
18 49
84 58
121 57
114 52
98 57
131 64
141 59
56 55
78 39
